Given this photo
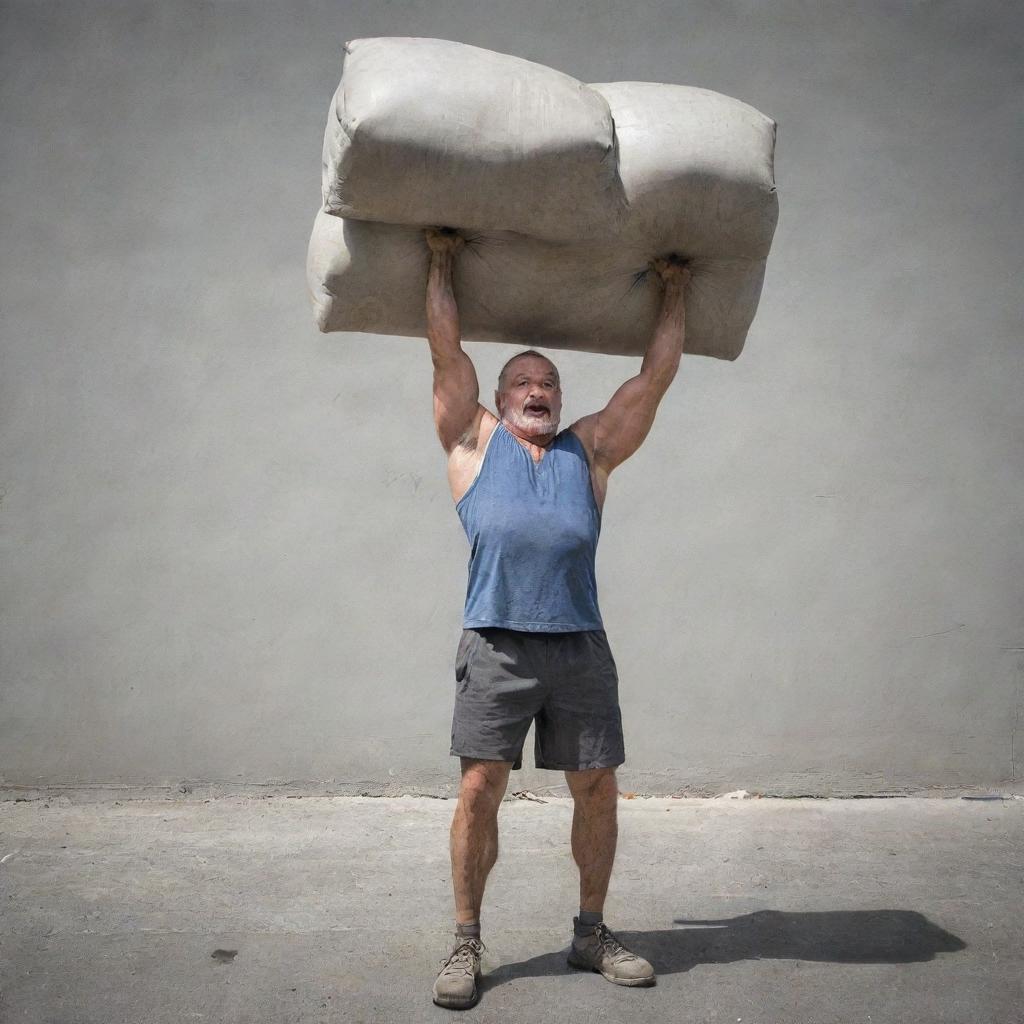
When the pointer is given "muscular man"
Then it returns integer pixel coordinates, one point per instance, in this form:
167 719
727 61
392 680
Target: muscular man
533 648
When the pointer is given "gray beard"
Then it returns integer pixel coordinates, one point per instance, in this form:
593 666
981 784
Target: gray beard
530 425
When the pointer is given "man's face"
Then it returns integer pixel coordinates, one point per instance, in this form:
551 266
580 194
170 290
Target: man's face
531 400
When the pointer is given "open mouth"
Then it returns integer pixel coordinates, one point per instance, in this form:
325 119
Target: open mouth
536 409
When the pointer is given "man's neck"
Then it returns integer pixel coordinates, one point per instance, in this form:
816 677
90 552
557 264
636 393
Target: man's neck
536 445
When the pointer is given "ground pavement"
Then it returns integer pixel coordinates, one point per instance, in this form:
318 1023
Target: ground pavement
760 911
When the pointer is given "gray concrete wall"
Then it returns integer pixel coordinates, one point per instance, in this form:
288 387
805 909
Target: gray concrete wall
229 552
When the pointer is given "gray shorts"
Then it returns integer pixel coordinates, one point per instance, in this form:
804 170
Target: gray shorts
565 682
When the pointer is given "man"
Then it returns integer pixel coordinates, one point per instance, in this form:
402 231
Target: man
533 647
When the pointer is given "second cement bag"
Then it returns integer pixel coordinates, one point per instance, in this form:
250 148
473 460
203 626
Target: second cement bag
563 191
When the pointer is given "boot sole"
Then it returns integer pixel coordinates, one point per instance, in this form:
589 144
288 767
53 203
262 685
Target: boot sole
457 1006
628 982
462 1004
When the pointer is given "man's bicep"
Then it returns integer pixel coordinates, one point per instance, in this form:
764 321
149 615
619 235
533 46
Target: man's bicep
456 398
624 423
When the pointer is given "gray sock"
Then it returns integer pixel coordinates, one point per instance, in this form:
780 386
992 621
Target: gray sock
468 931
587 921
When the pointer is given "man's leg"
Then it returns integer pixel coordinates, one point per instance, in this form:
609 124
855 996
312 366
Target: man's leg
595 832
496 699
474 833
474 849
595 794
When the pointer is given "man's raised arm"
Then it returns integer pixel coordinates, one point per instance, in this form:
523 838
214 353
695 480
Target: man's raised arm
457 406
616 432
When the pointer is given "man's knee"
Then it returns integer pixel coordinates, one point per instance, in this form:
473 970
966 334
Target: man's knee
593 784
483 784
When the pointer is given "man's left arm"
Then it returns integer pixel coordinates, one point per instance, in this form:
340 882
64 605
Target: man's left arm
617 431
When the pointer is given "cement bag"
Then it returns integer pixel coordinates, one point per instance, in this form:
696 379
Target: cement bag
693 175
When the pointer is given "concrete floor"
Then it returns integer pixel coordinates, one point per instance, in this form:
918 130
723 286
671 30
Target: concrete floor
337 909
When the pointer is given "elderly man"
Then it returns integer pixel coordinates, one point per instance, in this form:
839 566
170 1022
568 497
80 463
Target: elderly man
533 647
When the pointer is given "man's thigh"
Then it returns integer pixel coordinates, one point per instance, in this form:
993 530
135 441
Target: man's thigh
497 695
579 727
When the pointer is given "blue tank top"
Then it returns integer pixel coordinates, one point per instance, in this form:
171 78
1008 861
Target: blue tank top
533 530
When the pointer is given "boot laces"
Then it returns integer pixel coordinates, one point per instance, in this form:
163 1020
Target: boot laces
463 956
611 945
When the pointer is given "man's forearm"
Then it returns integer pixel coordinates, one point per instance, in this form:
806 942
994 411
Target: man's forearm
661 360
443 330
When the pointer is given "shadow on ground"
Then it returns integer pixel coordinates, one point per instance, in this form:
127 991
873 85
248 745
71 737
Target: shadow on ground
838 936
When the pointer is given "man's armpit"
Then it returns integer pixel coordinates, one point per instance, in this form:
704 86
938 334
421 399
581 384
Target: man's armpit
470 440
585 430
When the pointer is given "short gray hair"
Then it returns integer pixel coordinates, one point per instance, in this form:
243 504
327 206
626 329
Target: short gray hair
506 372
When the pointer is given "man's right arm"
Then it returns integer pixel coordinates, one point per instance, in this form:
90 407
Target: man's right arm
457 409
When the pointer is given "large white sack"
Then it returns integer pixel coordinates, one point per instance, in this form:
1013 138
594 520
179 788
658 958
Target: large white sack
693 167
427 131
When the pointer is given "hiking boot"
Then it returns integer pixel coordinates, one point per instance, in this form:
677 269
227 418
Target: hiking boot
456 986
600 951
